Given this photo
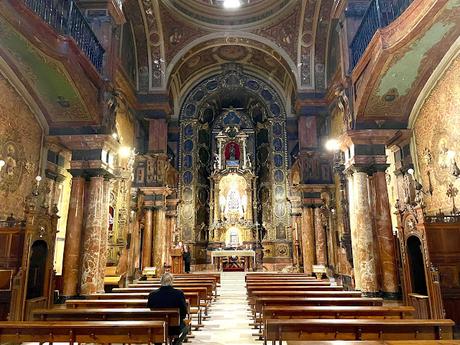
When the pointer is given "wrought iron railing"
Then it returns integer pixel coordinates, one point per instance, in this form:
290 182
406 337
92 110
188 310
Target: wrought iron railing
65 17
379 14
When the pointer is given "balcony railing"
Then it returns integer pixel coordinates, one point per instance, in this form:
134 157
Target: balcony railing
65 17
379 14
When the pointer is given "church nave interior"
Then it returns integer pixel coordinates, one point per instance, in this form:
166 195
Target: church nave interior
284 160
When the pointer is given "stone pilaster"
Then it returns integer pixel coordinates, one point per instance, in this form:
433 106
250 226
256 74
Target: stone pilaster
308 240
104 234
383 229
72 246
364 258
320 239
90 277
354 236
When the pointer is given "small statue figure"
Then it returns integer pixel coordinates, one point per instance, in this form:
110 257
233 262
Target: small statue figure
216 164
344 105
248 161
232 153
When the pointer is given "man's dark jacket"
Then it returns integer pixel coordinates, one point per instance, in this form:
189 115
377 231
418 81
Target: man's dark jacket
168 297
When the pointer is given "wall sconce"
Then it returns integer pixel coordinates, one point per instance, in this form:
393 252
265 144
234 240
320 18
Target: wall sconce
418 185
36 190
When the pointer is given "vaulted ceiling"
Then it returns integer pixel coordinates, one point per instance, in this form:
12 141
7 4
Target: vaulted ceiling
180 42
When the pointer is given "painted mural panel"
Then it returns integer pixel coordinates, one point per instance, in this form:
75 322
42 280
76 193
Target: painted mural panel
20 146
436 139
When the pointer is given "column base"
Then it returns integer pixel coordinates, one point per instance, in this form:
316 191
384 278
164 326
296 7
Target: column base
391 295
372 294
63 299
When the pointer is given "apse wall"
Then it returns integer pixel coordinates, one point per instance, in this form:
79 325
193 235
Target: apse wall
20 148
437 145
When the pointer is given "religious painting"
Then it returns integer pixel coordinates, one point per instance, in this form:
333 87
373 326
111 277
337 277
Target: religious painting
233 198
232 151
307 132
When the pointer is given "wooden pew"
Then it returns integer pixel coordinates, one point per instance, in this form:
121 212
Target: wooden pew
378 342
351 329
192 298
153 286
289 283
210 285
250 290
261 295
282 277
336 312
198 274
320 312
101 332
122 296
251 275
169 315
263 302
303 293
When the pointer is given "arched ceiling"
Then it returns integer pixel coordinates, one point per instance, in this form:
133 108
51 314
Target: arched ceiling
203 59
286 38
211 13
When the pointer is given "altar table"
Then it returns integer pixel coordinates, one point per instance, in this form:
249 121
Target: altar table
219 254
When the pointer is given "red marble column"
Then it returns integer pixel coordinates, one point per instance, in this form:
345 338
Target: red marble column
308 240
90 277
384 232
147 239
71 264
363 235
159 238
320 239
104 234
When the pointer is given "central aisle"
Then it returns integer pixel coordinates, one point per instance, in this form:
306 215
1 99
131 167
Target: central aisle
228 322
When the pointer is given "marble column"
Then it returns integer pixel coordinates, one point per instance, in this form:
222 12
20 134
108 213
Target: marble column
170 221
308 240
72 245
354 238
383 227
295 239
92 237
320 239
147 238
104 234
364 259
159 238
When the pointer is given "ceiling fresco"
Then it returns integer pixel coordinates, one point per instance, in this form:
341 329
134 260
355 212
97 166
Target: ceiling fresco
217 52
212 14
296 30
46 78
405 67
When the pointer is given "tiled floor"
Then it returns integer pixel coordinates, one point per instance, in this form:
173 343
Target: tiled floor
228 322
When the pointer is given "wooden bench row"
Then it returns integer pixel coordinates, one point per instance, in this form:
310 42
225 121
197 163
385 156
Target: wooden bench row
289 313
101 332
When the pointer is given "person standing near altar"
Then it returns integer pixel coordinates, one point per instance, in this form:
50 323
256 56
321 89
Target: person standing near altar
187 257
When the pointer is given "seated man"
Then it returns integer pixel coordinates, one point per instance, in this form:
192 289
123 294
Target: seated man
168 297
